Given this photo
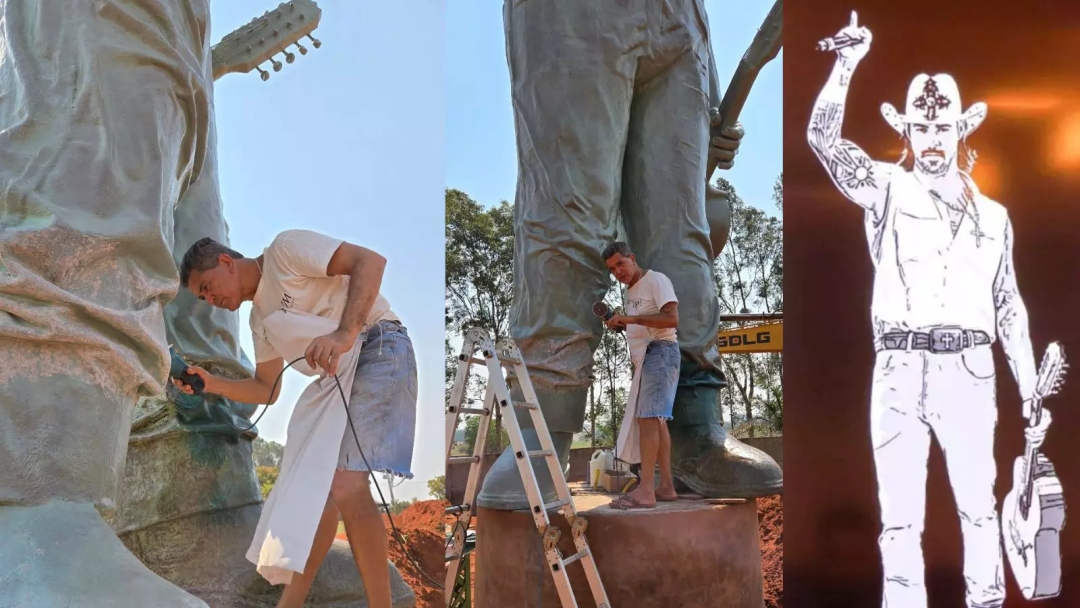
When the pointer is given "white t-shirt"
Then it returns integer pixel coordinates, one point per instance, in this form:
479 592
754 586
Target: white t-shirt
646 297
294 278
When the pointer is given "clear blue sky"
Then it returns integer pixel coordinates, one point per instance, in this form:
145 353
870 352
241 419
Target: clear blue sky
349 141
482 157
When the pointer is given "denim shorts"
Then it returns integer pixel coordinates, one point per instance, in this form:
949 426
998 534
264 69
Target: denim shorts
382 404
659 379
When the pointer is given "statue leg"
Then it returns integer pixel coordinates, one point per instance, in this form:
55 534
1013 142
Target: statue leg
98 133
571 106
663 200
191 501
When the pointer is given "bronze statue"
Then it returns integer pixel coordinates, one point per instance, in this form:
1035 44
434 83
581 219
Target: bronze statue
108 167
613 109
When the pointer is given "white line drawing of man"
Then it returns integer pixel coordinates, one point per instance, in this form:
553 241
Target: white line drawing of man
944 287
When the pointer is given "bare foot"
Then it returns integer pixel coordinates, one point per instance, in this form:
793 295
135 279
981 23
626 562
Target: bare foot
666 494
635 500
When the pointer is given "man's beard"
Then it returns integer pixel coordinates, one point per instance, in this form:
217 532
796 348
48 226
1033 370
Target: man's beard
933 169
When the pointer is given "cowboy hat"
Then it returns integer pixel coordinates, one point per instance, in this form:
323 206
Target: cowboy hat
934 100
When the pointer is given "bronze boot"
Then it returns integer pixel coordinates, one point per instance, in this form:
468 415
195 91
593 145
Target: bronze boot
707 459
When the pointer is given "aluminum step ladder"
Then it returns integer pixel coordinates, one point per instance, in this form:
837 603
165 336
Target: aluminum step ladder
496 358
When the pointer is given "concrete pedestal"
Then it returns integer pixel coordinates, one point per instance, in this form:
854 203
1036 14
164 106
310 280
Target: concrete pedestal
688 554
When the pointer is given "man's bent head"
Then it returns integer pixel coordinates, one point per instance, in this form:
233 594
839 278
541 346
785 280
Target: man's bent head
621 262
210 271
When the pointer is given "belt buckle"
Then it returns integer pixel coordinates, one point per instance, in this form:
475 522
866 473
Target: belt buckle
946 340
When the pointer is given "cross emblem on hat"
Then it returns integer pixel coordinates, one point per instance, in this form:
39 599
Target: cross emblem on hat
931 100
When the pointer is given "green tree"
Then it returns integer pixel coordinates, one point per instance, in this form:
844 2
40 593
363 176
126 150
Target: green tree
267 476
612 374
437 487
496 437
267 453
479 292
750 279
479 264
479 280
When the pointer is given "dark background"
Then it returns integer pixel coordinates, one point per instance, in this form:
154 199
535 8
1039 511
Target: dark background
1023 60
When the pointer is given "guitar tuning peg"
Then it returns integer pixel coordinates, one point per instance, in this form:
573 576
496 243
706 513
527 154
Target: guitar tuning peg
276 64
314 42
289 57
263 74
303 51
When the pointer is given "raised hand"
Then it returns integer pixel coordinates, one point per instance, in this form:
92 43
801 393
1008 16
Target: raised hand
854 53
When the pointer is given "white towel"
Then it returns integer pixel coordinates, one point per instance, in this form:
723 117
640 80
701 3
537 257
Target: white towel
295 506
629 443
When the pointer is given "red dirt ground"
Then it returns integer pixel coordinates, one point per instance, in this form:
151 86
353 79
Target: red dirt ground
771 529
421 527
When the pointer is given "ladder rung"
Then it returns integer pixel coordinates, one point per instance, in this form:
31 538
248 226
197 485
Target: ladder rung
575 557
555 505
507 361
481 351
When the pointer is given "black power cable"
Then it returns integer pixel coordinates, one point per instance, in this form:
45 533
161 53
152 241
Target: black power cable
371 474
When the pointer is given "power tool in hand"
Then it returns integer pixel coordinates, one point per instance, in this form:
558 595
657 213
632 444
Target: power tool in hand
602 310
178 370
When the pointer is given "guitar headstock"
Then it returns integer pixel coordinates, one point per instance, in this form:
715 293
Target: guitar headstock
248 47
1051 371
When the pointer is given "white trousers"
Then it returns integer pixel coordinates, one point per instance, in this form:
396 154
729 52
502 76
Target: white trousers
916 393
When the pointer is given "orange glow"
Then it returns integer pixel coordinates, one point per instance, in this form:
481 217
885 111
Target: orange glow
1065 142
1024 102
987 176
894 153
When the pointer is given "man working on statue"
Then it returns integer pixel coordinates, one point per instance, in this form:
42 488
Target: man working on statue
944 286
653 315
306 272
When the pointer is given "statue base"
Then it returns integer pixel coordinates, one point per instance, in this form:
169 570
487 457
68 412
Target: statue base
204 555
189 508
688 553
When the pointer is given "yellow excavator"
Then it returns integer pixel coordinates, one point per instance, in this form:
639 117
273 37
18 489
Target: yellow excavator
758 333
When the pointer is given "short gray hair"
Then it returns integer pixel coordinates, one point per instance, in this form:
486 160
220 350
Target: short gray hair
203 256
618 247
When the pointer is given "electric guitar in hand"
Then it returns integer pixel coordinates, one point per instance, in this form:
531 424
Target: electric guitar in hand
1033 513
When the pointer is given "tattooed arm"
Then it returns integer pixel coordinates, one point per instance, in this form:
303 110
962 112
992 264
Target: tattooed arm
861 179
1012 322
